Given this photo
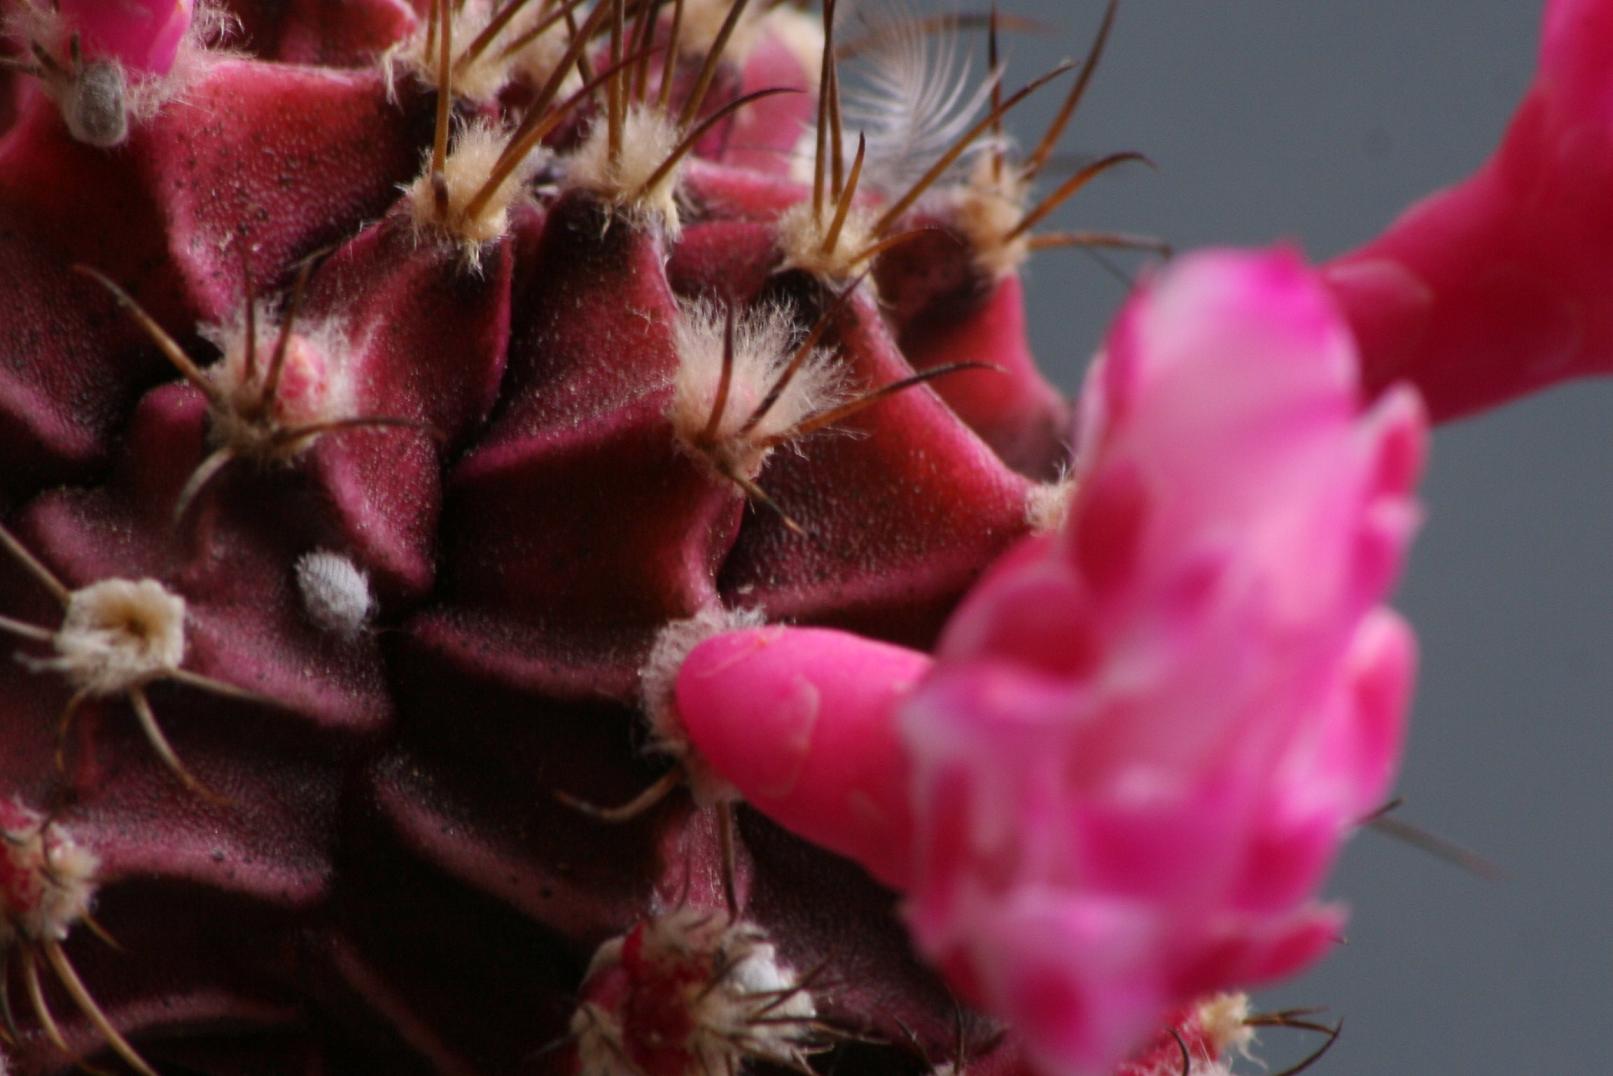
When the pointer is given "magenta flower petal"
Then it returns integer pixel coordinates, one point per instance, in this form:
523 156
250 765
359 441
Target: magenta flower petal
1498 286
1144 737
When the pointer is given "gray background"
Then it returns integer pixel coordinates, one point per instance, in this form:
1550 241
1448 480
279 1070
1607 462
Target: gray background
1315 121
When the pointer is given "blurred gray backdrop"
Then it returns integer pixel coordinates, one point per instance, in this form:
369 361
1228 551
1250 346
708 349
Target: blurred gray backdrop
1315 122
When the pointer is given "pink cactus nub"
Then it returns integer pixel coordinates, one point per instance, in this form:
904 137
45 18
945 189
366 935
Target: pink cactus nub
1497 286
801 721
144 35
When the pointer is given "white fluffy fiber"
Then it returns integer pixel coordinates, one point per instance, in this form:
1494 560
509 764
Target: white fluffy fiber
467 168
648 140
763 345
658 678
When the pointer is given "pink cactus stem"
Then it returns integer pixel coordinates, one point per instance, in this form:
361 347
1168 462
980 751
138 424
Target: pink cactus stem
1144 736
1498 286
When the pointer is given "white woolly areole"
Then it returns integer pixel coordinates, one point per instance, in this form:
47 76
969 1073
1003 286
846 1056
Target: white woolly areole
702 22
986 209
1222 1020
658 678
763 346
49 881
534 62
335 593
801 234
118 634
483 78
743 1002
1225 1019
648 139
1047 505
466 169
315 385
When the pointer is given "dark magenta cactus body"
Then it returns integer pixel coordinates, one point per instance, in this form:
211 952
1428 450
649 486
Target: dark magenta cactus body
361 860
397 398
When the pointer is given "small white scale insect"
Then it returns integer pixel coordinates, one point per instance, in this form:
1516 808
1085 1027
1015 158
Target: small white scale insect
335 593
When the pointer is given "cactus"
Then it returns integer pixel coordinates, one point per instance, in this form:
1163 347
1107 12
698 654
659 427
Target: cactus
534 542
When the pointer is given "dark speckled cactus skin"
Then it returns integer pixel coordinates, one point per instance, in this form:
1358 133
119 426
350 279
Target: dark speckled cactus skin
390 883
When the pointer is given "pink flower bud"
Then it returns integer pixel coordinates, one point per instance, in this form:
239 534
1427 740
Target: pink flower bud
1498 286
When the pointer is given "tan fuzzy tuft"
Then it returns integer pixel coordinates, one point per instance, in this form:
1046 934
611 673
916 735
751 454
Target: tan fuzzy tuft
1047 505
720 983
48 881
467 168
986 209
118 634
649 139
703 21
483 78
1225 1019
658 679
801 234
315 385
762 350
